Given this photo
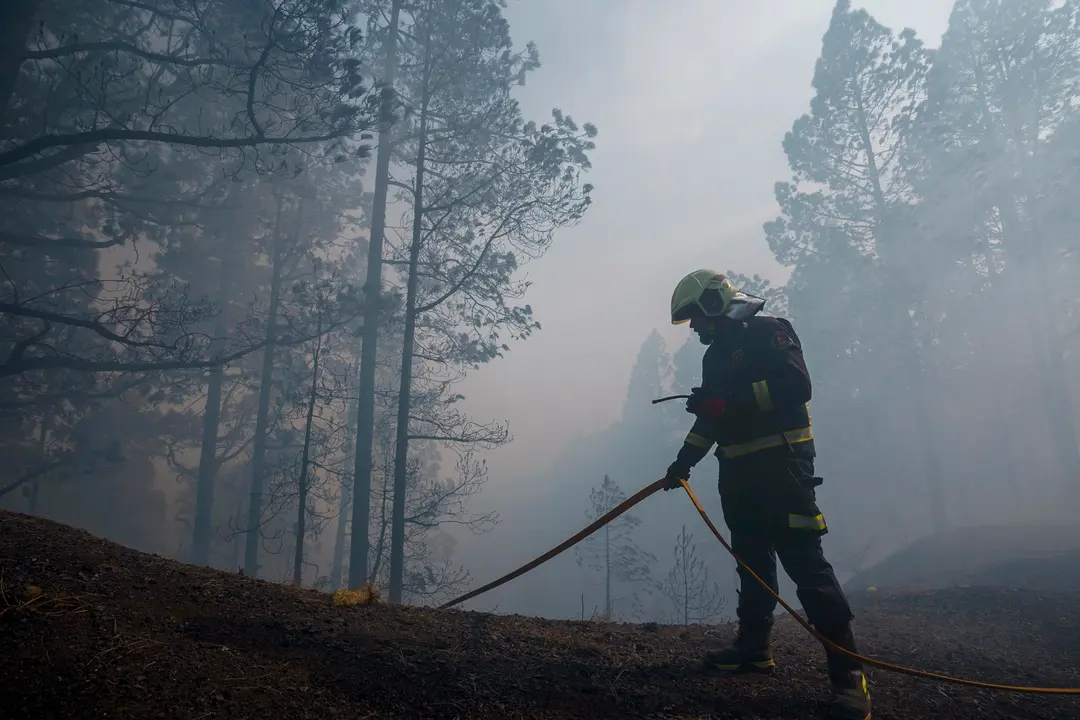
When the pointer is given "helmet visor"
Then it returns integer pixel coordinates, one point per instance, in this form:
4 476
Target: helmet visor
683 314
743 306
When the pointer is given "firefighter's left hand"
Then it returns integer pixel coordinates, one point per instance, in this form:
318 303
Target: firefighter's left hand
675 473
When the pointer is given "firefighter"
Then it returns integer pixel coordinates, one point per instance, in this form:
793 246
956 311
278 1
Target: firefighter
753 405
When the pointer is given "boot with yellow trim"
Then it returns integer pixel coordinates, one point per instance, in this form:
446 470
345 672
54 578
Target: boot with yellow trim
750 652
850 693
850 697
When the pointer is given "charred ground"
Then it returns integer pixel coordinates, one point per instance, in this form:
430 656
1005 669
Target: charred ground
116 633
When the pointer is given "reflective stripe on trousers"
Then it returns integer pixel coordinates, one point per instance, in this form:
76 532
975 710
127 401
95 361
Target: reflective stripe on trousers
806 522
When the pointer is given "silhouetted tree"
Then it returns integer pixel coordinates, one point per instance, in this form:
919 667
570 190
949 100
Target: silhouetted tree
613 552
843 220
693 596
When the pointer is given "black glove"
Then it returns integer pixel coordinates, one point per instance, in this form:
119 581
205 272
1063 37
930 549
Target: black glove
675 472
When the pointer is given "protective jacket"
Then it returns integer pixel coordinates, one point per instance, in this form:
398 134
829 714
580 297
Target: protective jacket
760 369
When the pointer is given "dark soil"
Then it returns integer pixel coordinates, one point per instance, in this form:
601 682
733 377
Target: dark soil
116 633
1035 556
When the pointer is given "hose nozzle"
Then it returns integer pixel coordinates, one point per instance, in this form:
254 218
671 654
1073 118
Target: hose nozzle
670 397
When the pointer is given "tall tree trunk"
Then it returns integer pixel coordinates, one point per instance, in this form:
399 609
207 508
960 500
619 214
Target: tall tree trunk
365 403
401 445
379 551
607 572
208 461
1004 455
925 455
236 543
913 367
686 577
1026 245
1051 377
16 21
43 444
305 462
1054 380
924 428
266 388
344 502
1055 385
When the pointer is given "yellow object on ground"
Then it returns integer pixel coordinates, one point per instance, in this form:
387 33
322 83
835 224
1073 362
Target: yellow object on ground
366 595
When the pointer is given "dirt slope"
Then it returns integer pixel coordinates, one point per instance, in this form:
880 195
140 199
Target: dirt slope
1042 556
116 633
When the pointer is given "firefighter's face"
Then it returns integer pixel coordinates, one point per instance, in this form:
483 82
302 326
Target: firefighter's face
709 329
705 328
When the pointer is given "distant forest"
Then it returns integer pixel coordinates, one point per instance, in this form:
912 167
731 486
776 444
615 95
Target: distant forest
249 252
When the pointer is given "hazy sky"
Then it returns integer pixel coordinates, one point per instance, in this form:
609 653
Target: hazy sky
692 99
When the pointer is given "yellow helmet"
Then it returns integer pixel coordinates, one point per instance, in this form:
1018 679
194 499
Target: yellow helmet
711 294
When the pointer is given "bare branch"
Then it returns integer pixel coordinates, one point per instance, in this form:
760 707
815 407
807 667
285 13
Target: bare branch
47 242
34 474
97 137
121 46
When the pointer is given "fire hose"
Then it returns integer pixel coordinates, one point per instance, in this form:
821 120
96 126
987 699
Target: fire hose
648 491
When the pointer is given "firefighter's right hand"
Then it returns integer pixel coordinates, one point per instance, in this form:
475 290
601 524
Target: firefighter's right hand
708 404
675 472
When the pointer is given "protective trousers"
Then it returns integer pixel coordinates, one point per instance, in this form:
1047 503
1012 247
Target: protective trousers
770 508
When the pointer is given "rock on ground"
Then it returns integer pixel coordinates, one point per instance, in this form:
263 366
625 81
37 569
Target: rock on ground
90 629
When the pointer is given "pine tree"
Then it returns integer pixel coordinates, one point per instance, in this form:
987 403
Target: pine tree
613 552
845 218
693 596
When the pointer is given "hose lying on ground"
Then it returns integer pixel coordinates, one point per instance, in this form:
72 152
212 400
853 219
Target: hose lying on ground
648 491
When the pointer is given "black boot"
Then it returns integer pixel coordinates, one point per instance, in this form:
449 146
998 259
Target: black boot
850 694
749 654
850 697
734 660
